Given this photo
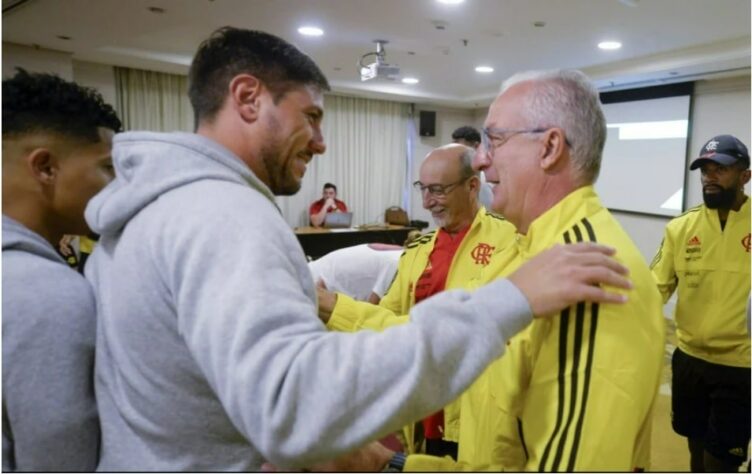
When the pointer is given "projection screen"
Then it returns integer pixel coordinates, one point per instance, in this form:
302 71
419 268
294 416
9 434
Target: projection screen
644 160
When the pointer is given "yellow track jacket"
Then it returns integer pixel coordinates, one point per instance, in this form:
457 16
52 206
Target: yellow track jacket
710 269
573 392
488 234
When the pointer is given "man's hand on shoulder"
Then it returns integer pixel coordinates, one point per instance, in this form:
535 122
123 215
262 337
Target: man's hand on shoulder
566 274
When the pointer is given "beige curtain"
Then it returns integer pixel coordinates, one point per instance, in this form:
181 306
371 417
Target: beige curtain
366 141
366 159
154 101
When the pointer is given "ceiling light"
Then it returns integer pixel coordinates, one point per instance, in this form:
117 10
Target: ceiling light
450 2
484 69
310 31
410 80
609 45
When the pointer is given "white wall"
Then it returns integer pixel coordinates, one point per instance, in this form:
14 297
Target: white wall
36 60
97 76
719 107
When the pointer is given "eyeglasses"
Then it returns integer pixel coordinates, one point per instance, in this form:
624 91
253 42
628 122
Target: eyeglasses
437 190
492 141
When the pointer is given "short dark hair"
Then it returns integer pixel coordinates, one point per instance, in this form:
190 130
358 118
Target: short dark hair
34 102
231 51
330 185
467 133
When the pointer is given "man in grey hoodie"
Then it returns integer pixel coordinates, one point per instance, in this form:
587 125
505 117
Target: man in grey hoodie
57 140
210 354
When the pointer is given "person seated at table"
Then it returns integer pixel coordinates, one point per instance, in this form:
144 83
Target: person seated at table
328 203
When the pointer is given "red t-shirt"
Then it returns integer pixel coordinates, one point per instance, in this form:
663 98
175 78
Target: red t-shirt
430 282
317 205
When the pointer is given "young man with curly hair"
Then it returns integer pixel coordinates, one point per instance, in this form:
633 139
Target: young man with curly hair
57 139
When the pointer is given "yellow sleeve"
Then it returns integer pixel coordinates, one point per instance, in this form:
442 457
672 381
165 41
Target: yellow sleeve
394 300
580 373
350 315
663 269
85 244
509 379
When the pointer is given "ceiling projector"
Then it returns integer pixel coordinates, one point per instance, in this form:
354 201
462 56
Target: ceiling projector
378 69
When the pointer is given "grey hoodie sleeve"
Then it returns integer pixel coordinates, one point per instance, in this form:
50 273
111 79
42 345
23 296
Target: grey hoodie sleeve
301 394
49 412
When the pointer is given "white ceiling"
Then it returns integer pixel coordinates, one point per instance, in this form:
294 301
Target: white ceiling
663 40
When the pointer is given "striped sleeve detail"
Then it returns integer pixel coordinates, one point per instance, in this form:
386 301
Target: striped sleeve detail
422 240
658 254
689 211
576 350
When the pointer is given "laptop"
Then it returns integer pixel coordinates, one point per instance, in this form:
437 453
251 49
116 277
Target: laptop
338 220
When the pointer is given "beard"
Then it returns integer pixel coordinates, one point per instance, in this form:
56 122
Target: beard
724 199
281 180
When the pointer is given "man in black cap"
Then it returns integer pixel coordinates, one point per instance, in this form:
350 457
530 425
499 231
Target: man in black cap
705 255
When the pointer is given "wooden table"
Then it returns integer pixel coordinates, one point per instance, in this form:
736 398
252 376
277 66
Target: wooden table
317 242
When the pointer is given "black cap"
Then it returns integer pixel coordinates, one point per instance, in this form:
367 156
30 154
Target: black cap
722 149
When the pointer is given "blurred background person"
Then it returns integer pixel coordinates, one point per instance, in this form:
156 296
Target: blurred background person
328 203
470 137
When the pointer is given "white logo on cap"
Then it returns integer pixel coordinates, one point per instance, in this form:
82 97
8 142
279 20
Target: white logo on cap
711 146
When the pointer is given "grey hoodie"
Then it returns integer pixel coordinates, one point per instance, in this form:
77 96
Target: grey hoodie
210 354
49 412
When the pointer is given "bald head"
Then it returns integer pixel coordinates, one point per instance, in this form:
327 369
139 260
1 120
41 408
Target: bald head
450 186
455 157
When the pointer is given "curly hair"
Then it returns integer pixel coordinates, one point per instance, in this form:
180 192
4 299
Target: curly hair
231 51
35 102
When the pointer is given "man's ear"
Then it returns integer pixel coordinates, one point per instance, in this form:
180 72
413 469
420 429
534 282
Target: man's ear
474 182
43 165
745 177
245 94
554 149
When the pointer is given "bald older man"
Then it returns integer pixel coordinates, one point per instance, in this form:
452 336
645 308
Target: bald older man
574 393
450 257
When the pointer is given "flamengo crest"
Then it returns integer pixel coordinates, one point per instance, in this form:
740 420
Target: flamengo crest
482 254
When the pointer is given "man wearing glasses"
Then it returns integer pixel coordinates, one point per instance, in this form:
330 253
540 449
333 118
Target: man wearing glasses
449 257
574 393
